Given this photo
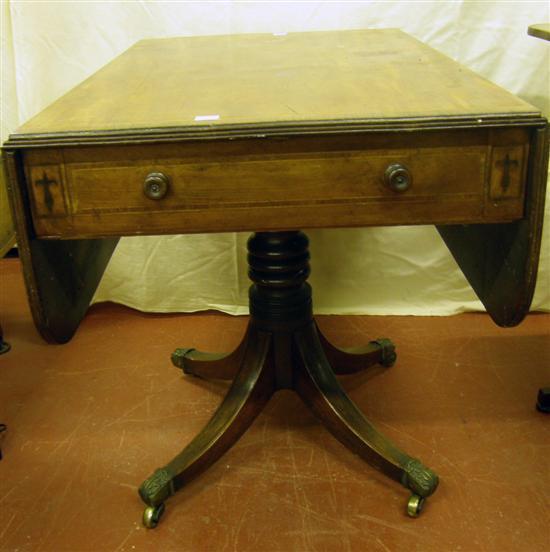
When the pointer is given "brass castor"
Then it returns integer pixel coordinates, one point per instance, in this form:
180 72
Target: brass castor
152 515
415 505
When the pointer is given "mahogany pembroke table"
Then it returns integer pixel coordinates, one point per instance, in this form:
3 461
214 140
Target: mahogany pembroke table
271 134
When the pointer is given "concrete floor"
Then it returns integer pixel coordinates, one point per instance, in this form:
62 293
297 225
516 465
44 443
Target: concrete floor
89 420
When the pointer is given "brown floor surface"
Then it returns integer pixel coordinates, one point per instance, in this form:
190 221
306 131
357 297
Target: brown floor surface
89 420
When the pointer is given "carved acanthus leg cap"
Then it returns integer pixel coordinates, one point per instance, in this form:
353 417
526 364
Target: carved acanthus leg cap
419 479
157 488
389 356
178 359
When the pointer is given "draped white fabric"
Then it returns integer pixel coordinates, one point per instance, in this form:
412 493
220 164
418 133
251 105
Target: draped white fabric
48 47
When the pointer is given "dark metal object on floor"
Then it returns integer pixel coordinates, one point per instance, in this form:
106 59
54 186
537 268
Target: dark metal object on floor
543 400
4 345
3 428
284 349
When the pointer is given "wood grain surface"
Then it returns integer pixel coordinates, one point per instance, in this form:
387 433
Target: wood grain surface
209 82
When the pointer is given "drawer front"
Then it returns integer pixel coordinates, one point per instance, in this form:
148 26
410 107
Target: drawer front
285 181
225 187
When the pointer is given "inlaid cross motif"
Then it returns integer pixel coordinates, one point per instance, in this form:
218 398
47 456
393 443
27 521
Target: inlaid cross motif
46 182
506 164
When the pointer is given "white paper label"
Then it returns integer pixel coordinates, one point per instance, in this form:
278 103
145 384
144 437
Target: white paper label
207 117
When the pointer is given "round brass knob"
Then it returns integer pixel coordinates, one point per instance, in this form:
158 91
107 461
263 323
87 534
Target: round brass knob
155 185
398 177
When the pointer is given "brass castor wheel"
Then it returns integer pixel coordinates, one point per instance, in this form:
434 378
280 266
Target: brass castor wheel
415 505
152 515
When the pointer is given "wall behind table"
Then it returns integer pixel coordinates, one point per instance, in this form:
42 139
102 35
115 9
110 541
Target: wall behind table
48 47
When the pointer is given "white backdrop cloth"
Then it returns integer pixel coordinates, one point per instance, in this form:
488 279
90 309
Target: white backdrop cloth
49 47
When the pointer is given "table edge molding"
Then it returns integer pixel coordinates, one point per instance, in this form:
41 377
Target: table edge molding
261 130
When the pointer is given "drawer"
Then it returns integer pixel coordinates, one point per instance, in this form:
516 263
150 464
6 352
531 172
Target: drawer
272 185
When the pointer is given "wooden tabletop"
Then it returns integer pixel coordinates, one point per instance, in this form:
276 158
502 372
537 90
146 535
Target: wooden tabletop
540 30
266 81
